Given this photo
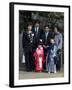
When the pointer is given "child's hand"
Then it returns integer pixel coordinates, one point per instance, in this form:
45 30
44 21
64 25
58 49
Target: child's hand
47 46
44 46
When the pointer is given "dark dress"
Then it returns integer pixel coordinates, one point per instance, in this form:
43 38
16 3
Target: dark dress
28 50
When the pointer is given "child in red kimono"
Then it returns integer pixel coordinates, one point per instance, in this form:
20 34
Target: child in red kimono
39 58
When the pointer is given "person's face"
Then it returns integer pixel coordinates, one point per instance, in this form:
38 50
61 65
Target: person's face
37 25
39 46
29 28
52 41
55 30
47 29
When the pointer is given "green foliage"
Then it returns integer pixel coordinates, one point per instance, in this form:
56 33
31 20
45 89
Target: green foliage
52 17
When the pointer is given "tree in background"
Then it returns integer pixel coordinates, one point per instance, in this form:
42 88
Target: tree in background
50 18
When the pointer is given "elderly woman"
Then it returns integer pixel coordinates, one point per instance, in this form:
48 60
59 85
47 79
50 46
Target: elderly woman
27 40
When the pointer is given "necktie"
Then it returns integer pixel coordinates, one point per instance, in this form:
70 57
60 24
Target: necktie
36 31
46 35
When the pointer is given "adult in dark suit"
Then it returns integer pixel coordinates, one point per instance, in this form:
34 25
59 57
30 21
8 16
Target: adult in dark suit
37 33
27 40
47 35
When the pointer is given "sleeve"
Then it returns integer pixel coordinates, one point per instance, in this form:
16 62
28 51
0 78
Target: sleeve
60 42
23 40
34 54
43 57
54 50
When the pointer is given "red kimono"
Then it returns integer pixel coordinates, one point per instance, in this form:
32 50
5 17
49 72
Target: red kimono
39 59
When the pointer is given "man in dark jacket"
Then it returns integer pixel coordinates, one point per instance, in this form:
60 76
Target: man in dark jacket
27 40
37 33
47 35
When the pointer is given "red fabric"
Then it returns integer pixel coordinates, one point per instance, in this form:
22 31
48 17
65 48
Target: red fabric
39 53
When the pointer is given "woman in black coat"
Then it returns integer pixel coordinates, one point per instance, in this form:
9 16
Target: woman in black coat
27 41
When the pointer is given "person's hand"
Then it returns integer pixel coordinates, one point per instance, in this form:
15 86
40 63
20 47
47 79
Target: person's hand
47 46
44 46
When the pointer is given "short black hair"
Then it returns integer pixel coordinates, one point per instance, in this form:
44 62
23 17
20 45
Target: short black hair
29 24
37 21
56 26
47 26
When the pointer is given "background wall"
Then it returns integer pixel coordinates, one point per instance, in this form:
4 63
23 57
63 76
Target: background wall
4 43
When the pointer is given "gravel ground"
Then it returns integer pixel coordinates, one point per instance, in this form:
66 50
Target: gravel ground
34 75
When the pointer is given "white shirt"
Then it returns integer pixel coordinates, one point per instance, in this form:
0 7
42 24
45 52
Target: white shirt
46 34
36 29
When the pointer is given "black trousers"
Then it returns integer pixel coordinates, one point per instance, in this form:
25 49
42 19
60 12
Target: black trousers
29 61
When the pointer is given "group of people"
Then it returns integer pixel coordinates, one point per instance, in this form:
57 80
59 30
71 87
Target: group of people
42 48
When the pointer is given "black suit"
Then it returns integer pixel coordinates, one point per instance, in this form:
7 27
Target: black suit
28 47
46 40
37 36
